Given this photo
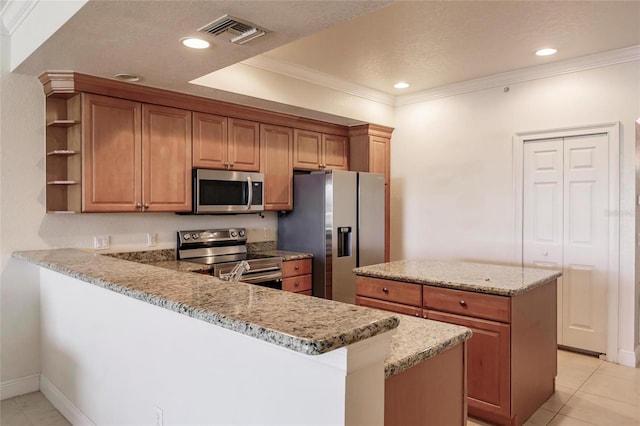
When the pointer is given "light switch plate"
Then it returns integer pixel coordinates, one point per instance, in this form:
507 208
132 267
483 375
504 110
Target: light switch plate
101 242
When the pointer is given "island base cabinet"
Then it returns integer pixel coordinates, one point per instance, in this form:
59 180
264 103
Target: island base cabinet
488 366
431 393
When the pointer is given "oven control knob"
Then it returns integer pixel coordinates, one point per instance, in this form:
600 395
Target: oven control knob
186 236
241 233
194 236
234 234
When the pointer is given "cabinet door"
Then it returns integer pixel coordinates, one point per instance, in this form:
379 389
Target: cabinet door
378 157
276 151
209 141
307 150
166 159
388 306
111 154
488 363
244 145
336 152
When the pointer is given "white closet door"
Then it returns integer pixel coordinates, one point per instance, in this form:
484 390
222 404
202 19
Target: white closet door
585 242
565 226
543 209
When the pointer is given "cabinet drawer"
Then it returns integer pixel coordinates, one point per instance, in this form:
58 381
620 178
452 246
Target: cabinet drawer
468 303
389 306
391 291
291 268
296 284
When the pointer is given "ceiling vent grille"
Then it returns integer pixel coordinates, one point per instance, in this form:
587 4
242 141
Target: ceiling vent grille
236 30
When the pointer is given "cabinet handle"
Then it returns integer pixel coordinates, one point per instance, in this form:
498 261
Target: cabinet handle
138 206
297 267
463 303
146 205
385 290
296 284
417 314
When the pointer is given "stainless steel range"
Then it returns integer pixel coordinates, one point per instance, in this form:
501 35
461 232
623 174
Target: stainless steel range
224 252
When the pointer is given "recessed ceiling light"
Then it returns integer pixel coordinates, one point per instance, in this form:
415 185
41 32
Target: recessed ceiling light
401 85
546 51
126 76
195 43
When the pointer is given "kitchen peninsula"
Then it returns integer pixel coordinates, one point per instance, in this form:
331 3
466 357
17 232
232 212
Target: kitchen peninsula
193 349
512 363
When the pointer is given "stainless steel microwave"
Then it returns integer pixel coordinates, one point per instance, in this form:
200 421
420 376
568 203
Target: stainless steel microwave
227 191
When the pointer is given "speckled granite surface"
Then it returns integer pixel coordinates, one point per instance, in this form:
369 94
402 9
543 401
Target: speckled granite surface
417 339
287 255
305 324
478 277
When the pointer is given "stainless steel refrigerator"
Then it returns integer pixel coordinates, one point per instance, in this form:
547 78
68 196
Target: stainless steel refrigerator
338 216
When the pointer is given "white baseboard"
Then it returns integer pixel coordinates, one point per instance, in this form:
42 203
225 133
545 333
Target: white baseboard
62 403
629 358
20 386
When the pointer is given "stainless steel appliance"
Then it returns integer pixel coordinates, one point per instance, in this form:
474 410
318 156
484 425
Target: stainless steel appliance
338 216
227 191
222 250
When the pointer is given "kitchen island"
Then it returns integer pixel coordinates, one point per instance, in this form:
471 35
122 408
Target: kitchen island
153 341
512 362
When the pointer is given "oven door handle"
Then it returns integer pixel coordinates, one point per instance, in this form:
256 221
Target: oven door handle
258 278
250 198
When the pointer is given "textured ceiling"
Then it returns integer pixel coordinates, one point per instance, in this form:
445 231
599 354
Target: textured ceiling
370 43
434 43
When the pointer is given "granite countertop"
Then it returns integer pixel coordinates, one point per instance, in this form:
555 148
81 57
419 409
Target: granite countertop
287 255
477 277
418 339
305 324
309 325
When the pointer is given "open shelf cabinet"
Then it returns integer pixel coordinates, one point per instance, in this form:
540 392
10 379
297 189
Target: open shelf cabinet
63 159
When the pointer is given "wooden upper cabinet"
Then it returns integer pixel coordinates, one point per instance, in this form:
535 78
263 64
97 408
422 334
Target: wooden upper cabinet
307 150
166 159
336 152
379 156
277 165
318 151
209 141
135 157
112 154
225 143
244 145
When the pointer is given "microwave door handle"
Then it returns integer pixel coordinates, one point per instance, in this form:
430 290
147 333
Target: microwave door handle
250 199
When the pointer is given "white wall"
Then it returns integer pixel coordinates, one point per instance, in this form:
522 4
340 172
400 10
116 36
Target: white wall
115 359
451 168
25 226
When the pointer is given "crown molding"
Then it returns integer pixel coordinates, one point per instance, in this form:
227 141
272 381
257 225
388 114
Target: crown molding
525 74
13 13
315 77
503 79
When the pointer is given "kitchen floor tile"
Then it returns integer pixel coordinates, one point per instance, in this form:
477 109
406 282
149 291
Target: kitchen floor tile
573 376
601 411
476 422
575 358
559 398
619 371
562 420
541 417
623 390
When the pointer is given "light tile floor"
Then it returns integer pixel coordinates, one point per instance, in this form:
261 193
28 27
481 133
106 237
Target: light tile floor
588 392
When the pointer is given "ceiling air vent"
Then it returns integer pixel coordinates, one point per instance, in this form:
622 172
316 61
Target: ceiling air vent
235 30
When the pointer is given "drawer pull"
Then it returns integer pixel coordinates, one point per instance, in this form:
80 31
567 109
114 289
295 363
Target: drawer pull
417 314
297 267
385 290
463 303
296 284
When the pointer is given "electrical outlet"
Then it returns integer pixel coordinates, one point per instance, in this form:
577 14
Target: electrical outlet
158 416
266 232
152 239
101 242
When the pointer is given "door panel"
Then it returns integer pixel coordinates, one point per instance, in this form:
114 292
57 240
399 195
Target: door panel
565 226
586 239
